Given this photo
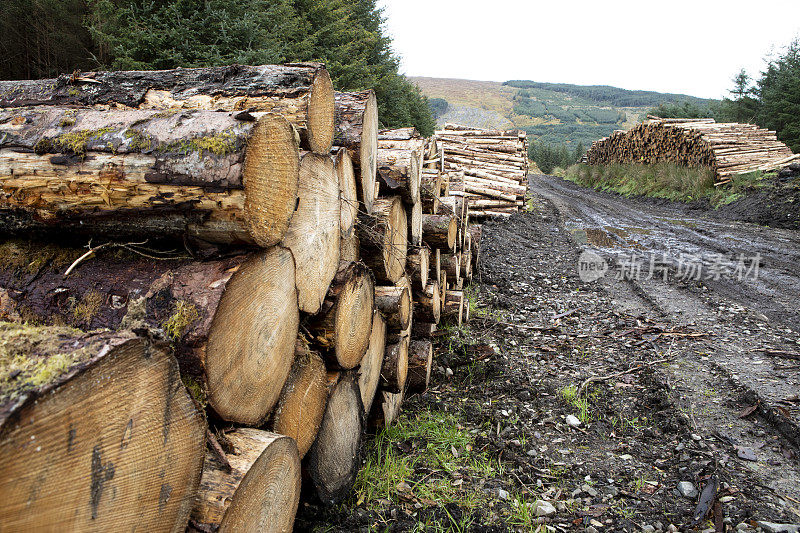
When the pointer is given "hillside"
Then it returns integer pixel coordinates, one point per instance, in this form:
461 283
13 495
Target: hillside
554 113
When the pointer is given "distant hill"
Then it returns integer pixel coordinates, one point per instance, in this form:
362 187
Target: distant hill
554 113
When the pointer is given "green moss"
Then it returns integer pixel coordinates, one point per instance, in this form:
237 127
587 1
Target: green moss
196 389
66 121
185 314
32 258
73 141
72 91
222 143
138 140
88 307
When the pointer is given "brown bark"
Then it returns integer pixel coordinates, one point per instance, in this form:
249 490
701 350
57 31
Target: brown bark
394 302
428 305
423 330
439 231
400 168
256 488
313 235
454 306
344 324
301 92
124 173
395 366
335 457
420 360
384 239
130 461
451 263
385 409
357 130
233 321
475 231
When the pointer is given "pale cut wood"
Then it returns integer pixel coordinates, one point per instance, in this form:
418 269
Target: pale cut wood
420 361
344 324
348 200
415 225
335 457
350 249
298 413
386 409
357 130
418 266
255 489
369 372
301 92
232 321
384 239
123 173
394 302
395 366
400 168
313 235
97 433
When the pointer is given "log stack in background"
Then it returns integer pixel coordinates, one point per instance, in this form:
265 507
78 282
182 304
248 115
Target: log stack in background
726 148
298 280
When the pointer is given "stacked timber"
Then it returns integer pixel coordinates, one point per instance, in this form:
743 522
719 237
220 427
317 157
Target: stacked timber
487 168
725 148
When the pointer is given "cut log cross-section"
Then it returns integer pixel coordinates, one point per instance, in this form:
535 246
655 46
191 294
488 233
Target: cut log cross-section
313 235
418 266
415 225
394 302
335 457
144 173
301 404
350 249
369 372
344 324
348 199
357 130
439 231
420 361
96 433
233 321
255 488
395 366
301 92
384 239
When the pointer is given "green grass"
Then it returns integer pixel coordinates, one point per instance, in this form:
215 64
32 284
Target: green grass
583 409
662 180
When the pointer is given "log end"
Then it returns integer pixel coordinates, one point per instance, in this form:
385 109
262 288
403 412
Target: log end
321 113
368 152
354 312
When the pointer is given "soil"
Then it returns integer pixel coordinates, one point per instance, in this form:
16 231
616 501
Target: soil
683 388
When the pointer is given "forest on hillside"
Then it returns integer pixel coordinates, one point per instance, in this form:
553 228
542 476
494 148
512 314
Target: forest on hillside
46 38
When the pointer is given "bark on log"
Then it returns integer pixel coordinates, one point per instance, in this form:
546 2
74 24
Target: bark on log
384 239
96 433
350 249
301 92
439 231
298 413
348 199
428 303
335 457
395 366
256 488
369 373
385 409
475 231
418 266
127 173
420 360
233 321
314 235
451 263
357 130
400 169
454 306
394 302
344 324
423 330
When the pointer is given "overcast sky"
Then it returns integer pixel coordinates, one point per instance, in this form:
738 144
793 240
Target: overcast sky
683 46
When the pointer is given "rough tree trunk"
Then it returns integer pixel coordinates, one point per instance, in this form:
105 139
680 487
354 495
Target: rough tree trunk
420 360
357 130
428 305
418 266
385 409
344 324
384 239
137 173
394 302
395 366
255 488
303 93
233 321
439 231
96 433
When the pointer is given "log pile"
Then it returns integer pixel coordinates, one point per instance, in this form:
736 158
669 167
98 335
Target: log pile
726 148
487 168
251 298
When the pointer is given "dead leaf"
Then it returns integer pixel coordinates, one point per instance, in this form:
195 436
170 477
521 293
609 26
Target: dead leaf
748 410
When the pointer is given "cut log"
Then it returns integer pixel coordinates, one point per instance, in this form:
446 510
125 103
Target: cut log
436 265
394 302
420 361
423 330
357 130
233 321
301 92
350 249
298 413
451 263
348 200
428 305
313 235
369 373
395 366
384 239
466 261
475 231
96 433
454 306
123 173
335 457
255 488
415 225
418 266
400 169
385 409
344 324
439 231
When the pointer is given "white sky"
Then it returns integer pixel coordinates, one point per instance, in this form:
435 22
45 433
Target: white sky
682 46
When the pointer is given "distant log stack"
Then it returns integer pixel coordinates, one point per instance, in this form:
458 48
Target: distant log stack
726 149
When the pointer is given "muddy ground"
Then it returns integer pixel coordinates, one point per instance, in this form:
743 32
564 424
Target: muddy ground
667 379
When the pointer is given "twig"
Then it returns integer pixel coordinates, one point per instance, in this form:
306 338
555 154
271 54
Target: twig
215 446
595 379
85 256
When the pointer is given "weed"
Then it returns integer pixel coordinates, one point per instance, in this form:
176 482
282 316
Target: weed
184 316
570 395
